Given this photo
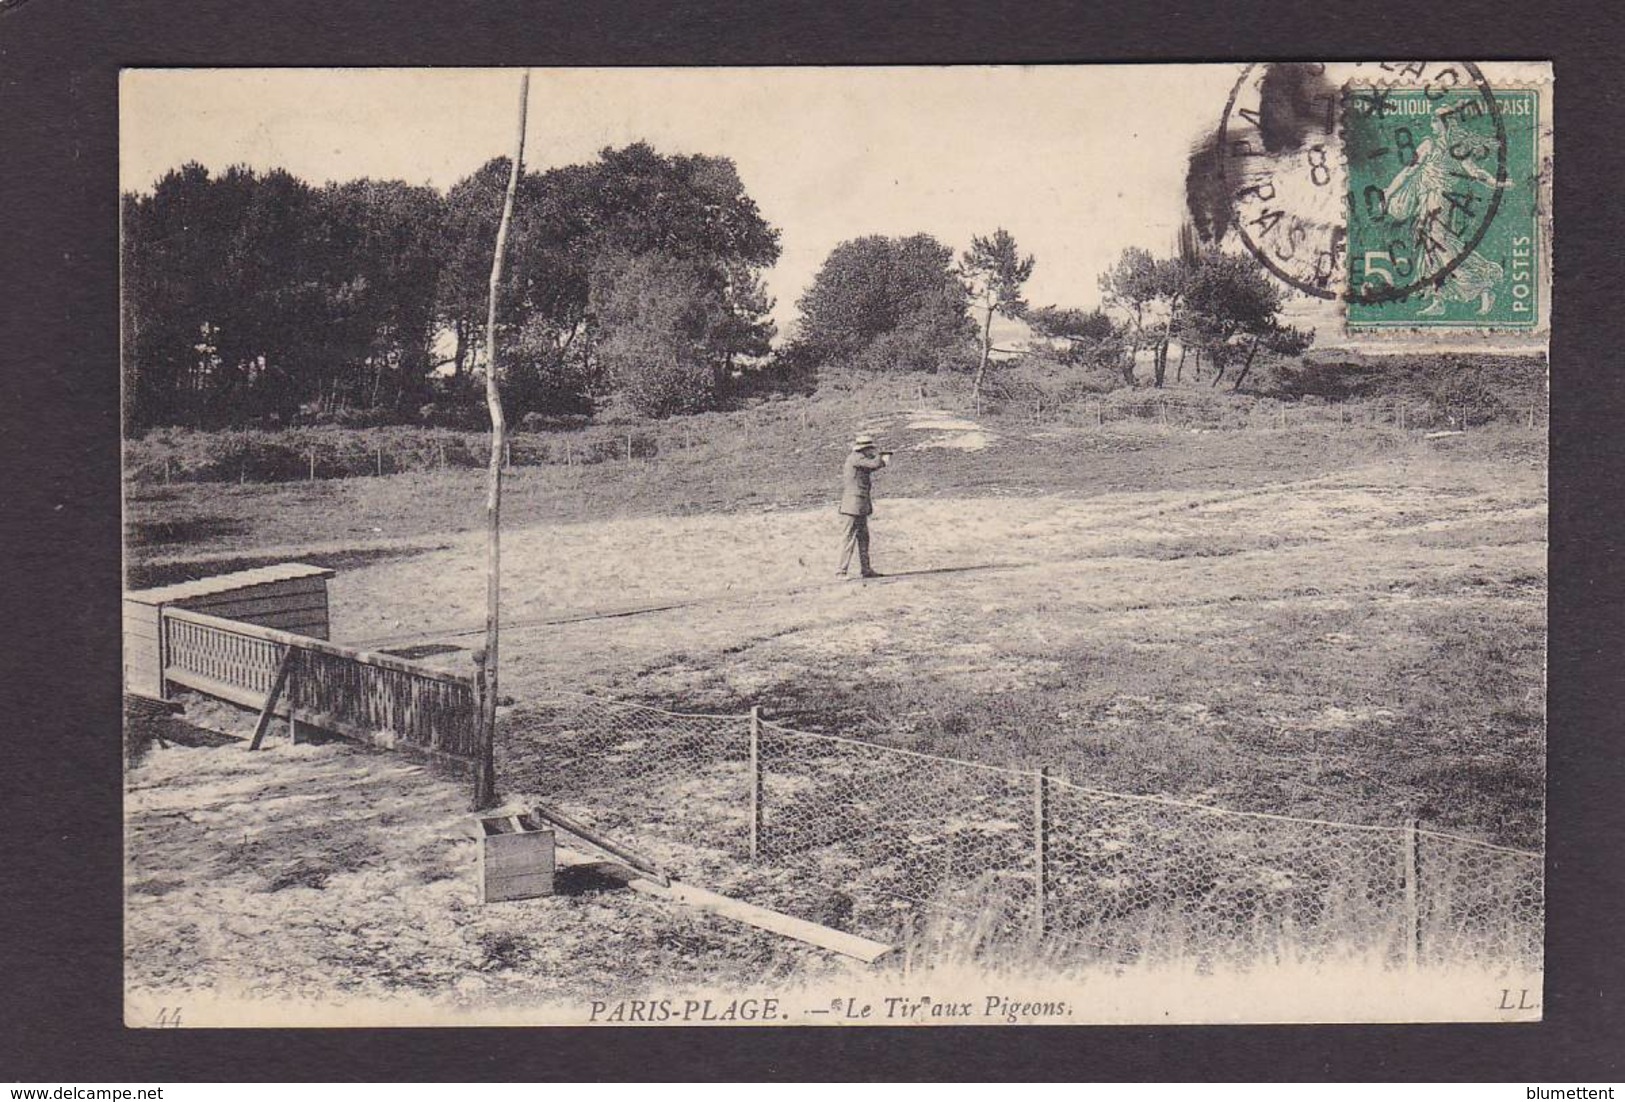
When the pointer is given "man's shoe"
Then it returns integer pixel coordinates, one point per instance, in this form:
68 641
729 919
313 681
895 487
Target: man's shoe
872 574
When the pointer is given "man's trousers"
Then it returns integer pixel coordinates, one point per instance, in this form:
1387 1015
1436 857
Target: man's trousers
856 536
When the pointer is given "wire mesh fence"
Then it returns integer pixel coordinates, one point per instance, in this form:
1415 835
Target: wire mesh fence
650 775
864 836
1138 878
895 825
1480 901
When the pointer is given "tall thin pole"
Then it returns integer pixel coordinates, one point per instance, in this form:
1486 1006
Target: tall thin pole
485 781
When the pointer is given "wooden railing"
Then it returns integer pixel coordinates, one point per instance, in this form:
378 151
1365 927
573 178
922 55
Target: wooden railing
377 698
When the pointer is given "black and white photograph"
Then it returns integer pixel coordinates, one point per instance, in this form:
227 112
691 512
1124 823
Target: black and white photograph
960 545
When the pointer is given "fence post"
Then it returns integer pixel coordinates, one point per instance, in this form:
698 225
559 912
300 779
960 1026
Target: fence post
1040 852
755 782
1408 870
163 653
312 457
629 447
166 470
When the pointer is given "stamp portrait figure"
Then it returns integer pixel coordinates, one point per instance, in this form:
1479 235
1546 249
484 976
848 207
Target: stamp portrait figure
1425 192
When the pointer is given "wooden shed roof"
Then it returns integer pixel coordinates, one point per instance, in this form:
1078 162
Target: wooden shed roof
224 583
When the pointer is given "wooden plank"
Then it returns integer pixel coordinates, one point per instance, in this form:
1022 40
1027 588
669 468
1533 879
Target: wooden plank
249 607
222 583
144 634
236 694
277 617
146 664
586 834
836 941
532 885
144 682
333 724
269 708
286 621
208 602
142 651
454 743
538 879
510 858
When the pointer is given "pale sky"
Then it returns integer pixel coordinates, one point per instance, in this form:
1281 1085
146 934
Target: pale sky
1078 162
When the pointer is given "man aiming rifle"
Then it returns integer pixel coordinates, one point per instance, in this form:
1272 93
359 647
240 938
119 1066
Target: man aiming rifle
856 506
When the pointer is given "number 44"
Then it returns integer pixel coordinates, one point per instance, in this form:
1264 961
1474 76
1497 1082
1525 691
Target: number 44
169 1017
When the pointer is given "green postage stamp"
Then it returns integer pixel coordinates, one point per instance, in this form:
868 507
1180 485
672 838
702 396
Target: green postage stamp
1412 199
1444 214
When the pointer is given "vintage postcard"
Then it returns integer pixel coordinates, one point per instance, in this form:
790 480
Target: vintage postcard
835 547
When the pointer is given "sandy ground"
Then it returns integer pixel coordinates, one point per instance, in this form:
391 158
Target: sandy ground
322 875
361 862
1047 567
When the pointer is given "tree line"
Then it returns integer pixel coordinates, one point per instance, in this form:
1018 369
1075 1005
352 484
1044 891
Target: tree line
907 304
258 298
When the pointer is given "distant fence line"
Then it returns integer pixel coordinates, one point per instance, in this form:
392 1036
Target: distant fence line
1020 853
258 456
263 457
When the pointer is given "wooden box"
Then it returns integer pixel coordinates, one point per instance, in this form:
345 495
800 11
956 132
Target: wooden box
516 858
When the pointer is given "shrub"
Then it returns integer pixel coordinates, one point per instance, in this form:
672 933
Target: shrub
917 348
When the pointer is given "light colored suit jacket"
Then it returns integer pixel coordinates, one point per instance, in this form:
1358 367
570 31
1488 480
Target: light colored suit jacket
855 474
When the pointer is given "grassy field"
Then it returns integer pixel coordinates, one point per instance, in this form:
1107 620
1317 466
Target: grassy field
1334 619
